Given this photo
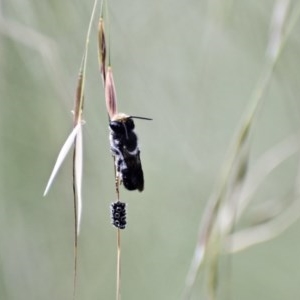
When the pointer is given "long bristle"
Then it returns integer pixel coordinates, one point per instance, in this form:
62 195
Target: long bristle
142 118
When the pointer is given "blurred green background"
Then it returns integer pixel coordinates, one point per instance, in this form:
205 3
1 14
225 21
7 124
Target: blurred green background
191 66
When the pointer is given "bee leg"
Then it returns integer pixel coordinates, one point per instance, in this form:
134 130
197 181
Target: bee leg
117 176
117 183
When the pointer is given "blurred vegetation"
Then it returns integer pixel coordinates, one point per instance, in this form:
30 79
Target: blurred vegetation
191 66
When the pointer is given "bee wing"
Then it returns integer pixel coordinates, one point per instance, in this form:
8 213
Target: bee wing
133 176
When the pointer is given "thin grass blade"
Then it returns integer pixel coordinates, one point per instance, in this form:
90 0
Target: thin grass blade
277 25
249 237
78 175
264 166
62 155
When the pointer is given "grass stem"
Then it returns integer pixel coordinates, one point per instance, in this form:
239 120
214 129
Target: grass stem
118 285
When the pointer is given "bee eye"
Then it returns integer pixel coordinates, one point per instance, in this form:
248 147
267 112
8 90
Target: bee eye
117 127
129 124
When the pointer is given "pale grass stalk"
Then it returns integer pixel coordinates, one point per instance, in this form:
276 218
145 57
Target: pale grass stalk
78 147
27 36
249 237
78 175
272 225
45 46
75 140
221 212
118 284
264 166
111 107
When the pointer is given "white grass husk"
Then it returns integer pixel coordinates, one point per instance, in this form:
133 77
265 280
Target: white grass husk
62 155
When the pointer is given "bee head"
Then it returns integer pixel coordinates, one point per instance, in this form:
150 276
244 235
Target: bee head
121 123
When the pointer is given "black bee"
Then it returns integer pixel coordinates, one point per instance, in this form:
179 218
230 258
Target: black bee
124 147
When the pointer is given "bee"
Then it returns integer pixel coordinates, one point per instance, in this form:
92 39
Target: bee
126 152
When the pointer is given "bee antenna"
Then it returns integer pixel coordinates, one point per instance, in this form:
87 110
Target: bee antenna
142 118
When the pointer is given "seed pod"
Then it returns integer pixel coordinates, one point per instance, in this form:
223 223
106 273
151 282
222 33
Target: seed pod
118 214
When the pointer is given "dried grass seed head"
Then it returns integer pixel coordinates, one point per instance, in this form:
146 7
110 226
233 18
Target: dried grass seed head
102 48
110 94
